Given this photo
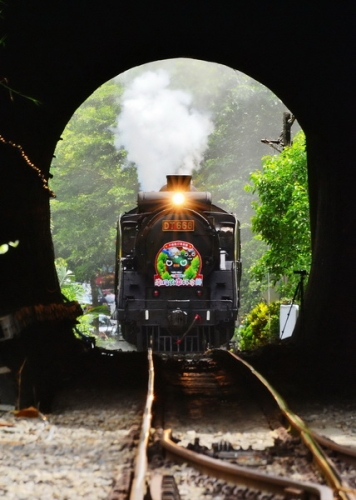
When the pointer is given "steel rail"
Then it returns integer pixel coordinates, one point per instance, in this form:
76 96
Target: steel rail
138 485
309 437
244 476
328 443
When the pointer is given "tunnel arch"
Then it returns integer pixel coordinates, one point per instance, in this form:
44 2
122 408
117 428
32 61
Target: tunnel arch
59 53
191 77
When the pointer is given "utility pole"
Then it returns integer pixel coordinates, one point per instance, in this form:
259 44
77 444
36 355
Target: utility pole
284 139
288 120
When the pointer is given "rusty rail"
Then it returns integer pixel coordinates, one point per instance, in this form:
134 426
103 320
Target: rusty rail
138 485
310 438
243 476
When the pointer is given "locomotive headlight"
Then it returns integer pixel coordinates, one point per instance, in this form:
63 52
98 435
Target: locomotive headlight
178 198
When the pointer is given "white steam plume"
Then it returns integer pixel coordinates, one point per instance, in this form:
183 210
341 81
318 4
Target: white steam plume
160 130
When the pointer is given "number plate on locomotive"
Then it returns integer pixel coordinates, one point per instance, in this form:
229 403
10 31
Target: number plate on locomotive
177 225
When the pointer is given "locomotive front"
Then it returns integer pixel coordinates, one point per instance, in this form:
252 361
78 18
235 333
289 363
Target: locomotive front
178 270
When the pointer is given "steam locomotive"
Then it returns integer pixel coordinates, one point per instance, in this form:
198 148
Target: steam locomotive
178 270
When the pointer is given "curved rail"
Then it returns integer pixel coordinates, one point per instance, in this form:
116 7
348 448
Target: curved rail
244 476
138 485
310 438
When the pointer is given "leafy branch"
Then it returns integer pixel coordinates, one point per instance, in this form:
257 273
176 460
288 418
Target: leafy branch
4 84
5 246
4 81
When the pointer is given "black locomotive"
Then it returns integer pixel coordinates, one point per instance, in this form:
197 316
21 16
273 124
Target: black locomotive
178 270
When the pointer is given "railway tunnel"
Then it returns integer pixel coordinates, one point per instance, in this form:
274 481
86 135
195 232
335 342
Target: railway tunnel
54 55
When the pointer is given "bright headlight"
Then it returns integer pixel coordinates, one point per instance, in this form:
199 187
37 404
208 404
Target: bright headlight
178 198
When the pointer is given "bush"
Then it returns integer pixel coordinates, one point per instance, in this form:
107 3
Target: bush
73 291
260 327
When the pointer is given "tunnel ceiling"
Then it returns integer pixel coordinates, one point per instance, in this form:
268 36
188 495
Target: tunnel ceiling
60 52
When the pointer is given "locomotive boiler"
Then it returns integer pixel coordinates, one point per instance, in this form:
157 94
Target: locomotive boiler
178 270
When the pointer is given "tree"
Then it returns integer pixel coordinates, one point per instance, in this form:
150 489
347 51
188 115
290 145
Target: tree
92 185
244 114
282 215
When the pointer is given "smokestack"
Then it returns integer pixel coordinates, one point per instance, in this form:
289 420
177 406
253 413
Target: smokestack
179 182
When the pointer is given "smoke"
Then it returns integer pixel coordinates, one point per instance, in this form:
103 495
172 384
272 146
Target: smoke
161 131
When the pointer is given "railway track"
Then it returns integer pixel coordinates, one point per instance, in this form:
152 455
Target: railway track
197 384
202 431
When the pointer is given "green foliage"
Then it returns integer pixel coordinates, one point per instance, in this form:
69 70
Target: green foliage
260 327
12 91
252 288
92 185
73 291
4 248
282 215
246 113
